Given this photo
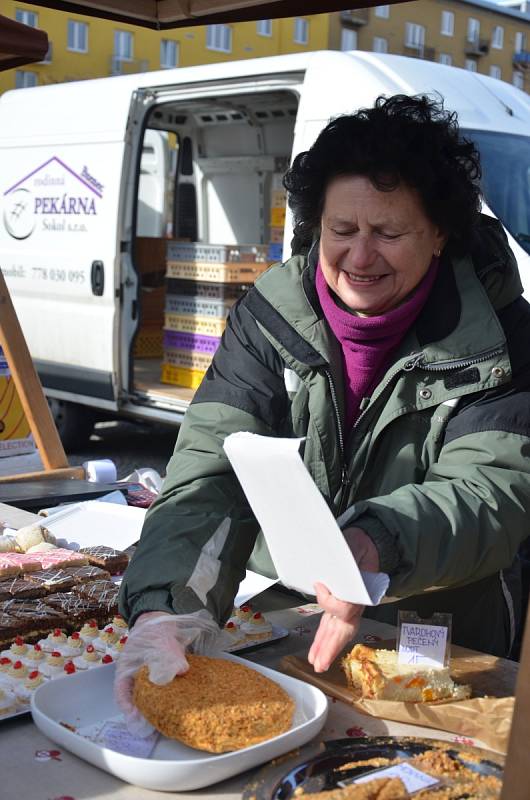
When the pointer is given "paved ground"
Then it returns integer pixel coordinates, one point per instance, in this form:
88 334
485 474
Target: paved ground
129 445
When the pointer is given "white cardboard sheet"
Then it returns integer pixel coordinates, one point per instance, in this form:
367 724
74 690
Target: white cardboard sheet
252 585
304 540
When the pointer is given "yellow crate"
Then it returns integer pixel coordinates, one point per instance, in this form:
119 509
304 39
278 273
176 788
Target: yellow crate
180 376
148 342
192 323
277 217
236 272
189 359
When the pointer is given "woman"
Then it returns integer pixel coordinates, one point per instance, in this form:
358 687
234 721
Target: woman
400 331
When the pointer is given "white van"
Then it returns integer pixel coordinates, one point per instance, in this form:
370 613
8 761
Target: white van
97 176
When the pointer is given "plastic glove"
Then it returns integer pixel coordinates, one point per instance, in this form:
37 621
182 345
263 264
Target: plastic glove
159 640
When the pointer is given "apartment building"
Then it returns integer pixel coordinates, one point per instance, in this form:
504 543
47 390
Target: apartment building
84 47
474 34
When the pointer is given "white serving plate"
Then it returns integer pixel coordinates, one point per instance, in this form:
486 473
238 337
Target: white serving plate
86 698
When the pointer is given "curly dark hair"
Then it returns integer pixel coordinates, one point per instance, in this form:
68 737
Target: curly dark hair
402 139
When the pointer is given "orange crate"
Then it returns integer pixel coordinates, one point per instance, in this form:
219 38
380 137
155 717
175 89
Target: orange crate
233 272
148 342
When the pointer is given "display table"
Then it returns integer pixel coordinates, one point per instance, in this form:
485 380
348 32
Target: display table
33 767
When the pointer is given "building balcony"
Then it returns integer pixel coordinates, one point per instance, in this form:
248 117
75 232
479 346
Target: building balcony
127 66
355 17
476 47
413 50
522 59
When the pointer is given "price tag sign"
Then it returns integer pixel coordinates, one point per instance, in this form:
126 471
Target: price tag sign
116 736
413 778
423 645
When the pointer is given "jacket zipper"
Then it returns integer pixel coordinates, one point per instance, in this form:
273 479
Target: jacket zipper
344 472
417 360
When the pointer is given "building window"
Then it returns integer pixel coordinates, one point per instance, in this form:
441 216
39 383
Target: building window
470 64
169 53
383 12
379 44
473 29
520 42
25 79
219 37
29 18
414 35
497 38
495 72
446 58
348 39
264 27
448 23
301 31
77 36
518 79
123 45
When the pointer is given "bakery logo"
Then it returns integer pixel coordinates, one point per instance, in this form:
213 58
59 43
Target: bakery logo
53 197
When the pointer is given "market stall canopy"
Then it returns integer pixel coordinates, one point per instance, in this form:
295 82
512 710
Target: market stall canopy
162 14
20 44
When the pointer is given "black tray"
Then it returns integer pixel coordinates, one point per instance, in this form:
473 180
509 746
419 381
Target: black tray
316 768
32 495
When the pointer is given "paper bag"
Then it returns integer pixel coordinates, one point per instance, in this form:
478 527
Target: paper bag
486 715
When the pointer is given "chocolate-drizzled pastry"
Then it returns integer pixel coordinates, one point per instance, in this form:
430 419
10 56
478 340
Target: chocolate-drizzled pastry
87 574
53 580
10 627
105 593
115 561
20 588
40 616
77 609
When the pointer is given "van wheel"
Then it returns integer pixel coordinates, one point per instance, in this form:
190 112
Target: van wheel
74 423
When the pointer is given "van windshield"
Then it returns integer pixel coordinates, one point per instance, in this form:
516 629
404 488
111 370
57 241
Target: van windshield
506 179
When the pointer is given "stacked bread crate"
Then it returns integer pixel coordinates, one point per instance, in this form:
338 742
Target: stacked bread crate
203 282
277 217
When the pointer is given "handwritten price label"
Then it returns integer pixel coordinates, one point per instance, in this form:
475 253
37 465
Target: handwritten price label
422 644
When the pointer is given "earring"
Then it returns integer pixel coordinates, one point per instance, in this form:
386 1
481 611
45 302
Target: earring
438 253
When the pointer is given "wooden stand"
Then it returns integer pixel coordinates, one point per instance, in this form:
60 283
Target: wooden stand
515 783
32 397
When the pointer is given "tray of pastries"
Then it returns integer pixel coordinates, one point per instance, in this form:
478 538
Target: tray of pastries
381 768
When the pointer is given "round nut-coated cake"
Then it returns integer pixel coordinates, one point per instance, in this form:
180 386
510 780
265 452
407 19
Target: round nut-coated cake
217 705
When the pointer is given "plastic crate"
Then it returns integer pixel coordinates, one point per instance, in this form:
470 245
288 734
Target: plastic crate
212 291
148 342
188 359
178 340
215 253
192 323
275 251
180 376
204 307
242 273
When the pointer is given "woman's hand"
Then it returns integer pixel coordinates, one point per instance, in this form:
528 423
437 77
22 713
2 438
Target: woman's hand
340 620
338 626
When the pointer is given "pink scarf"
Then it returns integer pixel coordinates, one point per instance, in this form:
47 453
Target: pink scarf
368 342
